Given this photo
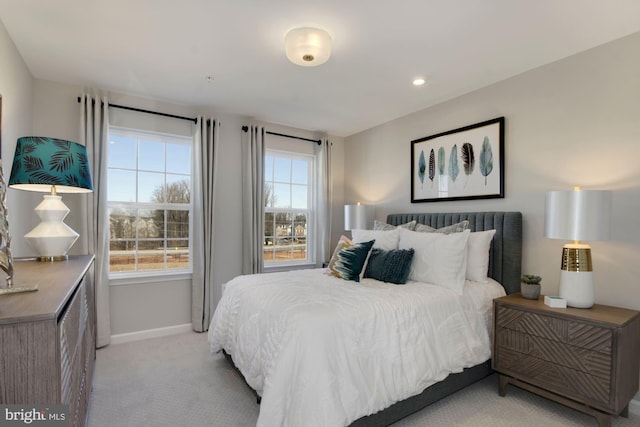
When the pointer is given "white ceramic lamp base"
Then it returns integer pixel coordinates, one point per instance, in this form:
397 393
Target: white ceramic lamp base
52 238
577 288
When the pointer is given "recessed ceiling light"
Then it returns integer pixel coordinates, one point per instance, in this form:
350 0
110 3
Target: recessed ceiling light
419 81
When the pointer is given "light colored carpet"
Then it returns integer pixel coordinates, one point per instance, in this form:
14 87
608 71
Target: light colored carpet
176 381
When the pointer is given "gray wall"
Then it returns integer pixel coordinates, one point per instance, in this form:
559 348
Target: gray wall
572 122
16 88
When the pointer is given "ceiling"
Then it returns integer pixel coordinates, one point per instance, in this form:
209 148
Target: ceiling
165 49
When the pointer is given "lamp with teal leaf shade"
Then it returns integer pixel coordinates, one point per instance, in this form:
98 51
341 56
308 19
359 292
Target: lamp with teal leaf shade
51 165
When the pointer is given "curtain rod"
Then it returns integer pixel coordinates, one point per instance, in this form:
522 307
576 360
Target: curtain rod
140 110
317 141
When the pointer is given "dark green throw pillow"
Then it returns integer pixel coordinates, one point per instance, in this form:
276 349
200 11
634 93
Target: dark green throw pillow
350 260
389 266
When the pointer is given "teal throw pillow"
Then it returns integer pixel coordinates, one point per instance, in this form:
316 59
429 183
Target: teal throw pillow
349 260
389 266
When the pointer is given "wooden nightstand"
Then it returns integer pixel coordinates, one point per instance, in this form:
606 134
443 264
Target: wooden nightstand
587 359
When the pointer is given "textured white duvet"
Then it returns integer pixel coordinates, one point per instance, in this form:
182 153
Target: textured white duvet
322 351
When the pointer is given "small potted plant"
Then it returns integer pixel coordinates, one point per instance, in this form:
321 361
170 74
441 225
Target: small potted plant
530 286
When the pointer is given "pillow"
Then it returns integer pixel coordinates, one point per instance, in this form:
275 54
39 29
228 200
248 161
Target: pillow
379 225
348 259
453 228
385 239
478 255
440 259
389 266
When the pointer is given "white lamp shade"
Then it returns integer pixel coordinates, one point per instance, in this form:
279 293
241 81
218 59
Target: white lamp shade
578 215
358 217
308 46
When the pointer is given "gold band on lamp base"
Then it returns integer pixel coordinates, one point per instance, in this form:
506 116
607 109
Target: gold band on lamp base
576 276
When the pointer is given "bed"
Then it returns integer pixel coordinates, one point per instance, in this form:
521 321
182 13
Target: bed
305 343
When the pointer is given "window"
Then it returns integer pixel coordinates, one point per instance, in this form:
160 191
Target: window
149 202
288 201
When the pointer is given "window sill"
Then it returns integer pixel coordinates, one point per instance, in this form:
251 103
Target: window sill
277 268
138 279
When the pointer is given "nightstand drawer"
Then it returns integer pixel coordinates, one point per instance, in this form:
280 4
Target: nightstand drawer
576 358
554 377
574 333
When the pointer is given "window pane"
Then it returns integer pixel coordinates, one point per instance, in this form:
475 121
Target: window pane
150 187
122 152
268 168
281 195
150 255
299 171
269 196
122 255
151 224
122 223
151 155
177 224
178 189
178 158
121 187
178 254
299 196
299 250
281 170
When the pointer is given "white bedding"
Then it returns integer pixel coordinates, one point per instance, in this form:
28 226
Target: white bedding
322 351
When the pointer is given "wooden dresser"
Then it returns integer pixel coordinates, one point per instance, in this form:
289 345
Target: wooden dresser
47 337
587 359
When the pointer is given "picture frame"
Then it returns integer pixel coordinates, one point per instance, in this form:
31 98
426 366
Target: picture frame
461 164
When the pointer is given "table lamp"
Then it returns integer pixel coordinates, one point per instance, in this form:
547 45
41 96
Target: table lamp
577 215
52 166
358 217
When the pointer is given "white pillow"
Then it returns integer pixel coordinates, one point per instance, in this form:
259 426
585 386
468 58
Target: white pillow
384 239
439 259
478 255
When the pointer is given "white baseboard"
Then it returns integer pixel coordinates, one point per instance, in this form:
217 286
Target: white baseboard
150 333
634 406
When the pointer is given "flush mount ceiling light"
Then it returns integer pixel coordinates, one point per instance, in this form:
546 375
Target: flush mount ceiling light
419 81
308 46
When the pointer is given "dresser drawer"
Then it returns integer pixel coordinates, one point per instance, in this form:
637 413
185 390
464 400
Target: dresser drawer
552 328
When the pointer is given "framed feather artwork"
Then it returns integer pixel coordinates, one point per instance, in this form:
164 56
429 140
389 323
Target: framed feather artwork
461 164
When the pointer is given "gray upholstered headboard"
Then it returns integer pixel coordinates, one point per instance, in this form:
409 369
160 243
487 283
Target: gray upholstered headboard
505 257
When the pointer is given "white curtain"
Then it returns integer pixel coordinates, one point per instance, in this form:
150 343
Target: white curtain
253 200
94 127
204 296
323 201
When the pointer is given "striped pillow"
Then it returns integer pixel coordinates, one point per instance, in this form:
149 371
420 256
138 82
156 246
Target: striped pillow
453 228
379 225
349 258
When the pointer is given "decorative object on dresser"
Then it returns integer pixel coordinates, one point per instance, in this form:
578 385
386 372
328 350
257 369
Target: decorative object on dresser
585 359
57 166
47 338
530 286
577 215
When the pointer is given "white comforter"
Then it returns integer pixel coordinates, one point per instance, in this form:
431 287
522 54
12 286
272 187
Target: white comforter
322 351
